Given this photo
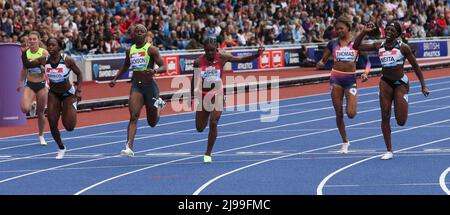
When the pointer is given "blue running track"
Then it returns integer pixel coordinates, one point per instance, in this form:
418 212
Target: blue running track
296 154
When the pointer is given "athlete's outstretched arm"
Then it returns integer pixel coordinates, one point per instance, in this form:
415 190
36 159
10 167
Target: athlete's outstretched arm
325 57
357 45
70 63
123 69
34 63
234 59
412 60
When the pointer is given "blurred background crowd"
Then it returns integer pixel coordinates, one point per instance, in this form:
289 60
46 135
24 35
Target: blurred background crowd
103 26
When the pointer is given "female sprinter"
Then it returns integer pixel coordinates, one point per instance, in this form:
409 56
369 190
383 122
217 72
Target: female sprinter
343 77
62 96
141 57
208 69
35 86
394 84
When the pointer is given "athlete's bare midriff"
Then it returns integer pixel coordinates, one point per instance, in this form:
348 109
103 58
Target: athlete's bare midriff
395 73
35 77
349 67
141 76
60 87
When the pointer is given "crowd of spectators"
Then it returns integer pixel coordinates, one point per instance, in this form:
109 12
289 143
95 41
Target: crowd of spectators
103 26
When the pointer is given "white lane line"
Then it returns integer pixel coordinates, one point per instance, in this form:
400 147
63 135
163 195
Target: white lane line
382 185
442 181
231 123
173 145
319 189
188 120
263 143
233 113
201 188
178 121
169 154
240 160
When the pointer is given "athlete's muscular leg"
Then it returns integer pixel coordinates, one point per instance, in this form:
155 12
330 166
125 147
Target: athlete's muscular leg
386 96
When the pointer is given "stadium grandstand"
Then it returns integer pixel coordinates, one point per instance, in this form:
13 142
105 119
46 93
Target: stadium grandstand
102 26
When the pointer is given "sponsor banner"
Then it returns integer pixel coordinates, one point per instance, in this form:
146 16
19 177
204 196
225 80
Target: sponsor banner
277 58
187 63
318 54
292 57
311 53
264 60
430 49
268 60
252 65
106 70
173 67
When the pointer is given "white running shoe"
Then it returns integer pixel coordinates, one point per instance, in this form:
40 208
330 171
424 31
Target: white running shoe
42 141
388 155
127 152
60 153
207 159
159 103
344 148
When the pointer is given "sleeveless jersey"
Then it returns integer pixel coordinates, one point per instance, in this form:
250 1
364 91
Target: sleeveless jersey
343 53
391 58
210 73
58 74
139 58
32 56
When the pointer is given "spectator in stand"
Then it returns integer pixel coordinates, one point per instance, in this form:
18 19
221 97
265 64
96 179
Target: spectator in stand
242 41
315 34
442 26
298 33
229 40
284 36
188 18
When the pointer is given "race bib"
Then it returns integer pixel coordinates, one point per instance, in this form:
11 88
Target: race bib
211 74
389 58
55 75
138 61
345 54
